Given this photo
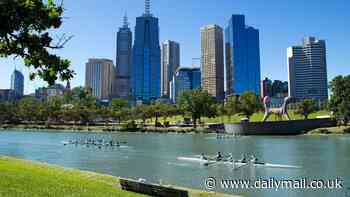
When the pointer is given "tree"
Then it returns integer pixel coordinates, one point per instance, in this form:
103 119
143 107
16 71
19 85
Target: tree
83 105
30 109
168 111
24 32
8 112
306 107
118 107
232 106
340 102
197 103
118 104
157 110
143 112
249 103
54 107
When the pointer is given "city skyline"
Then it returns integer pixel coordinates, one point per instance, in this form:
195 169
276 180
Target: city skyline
84 45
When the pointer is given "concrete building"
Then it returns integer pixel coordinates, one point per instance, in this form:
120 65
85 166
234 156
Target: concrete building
17 83
266 88
185 79
170 61
123 62
7 95
54 90
146 58
99 77
242 51
279 89
212 61
307 70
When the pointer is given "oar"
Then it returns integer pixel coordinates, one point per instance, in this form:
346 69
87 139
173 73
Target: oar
209 164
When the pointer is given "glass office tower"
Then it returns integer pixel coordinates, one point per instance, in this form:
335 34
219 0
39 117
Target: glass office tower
185 79
307 70
17 83
146 58
122 88
242 57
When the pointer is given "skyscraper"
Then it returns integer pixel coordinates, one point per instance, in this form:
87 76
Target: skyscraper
242 57
185 79
266 88
146 58
170 61
279 89
123 61
99 77
17 83
212 60
307 69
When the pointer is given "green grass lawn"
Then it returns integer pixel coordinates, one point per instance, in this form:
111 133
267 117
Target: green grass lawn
20 178
235 119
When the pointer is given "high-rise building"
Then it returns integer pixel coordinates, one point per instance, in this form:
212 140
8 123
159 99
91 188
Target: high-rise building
123 61
307 69
185 79
170 61
266 88
279 89
99 77
146 58
7 95
242 57
17 83
212 61
275 89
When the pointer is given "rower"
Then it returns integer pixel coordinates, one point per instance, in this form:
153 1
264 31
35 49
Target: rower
230 157
244 159
254 159
203 157
219 157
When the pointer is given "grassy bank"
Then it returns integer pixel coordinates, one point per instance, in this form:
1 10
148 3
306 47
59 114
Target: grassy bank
256 117
20 178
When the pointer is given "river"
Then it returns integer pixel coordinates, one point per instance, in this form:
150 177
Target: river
154 157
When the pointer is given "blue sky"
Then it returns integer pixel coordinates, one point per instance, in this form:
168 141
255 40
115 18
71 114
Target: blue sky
281 23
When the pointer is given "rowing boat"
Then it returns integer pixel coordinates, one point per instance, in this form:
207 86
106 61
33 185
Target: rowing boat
198 160
235 163
260 164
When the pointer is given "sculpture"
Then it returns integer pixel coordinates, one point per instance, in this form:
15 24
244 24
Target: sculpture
281 111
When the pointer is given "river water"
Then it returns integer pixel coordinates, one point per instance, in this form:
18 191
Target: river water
154 158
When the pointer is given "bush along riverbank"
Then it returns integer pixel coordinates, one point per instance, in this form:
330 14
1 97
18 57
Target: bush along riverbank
331 131
27 178
105 128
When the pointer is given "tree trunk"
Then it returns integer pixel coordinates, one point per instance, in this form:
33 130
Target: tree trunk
156 123
194 122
